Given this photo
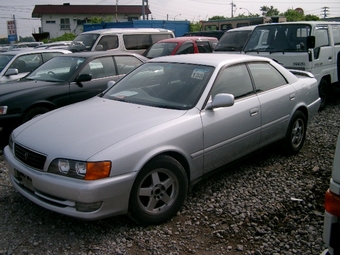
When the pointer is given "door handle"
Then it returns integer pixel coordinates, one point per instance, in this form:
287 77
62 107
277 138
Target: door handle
254 111
292 97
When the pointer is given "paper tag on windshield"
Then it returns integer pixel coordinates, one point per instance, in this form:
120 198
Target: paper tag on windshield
197 74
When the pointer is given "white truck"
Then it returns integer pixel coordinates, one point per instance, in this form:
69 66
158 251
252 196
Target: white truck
312 46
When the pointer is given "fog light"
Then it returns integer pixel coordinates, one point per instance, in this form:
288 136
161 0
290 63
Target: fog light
88 207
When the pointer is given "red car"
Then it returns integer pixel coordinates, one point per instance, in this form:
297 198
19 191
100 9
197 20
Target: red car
181 45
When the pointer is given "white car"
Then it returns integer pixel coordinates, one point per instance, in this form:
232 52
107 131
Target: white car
16 64
139 146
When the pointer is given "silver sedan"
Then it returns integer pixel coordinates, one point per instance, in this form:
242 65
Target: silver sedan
138 147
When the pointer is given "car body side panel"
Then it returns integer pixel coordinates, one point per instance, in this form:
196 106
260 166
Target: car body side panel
235 129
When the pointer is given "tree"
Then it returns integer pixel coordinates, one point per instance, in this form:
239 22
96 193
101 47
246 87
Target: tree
195 26
217 18
294 15
269 11
311 17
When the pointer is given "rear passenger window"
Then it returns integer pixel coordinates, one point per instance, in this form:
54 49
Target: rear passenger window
266 77
233 80
185 48
204 47
137 42
48 55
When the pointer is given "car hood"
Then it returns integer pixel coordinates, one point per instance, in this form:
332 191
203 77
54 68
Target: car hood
83 129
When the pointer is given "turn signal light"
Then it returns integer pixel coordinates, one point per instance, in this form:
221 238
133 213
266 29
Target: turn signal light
332 203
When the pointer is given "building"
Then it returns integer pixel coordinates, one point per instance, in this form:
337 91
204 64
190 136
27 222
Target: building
57 20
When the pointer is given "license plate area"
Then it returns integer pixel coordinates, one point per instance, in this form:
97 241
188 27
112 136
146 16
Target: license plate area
25 180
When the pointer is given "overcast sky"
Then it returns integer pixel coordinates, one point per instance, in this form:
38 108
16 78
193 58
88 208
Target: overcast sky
192 10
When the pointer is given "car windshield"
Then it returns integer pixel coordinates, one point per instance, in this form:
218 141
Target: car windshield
4 60
280 37
56 69
160 49
166 85
232 41
83 42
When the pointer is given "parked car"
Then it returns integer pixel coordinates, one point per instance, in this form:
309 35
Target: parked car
24 45
234 39
181 45
55 45
135 40
211 33
61 81
331 229
16 64
138 147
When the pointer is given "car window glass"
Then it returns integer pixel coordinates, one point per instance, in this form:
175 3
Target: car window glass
48 55
126 63
109 42
204 47
265 76
137 42
4 60
160 49
27 63
186 48
233 80
100 68
157 37
57 69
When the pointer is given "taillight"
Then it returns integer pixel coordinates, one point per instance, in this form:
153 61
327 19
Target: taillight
332 203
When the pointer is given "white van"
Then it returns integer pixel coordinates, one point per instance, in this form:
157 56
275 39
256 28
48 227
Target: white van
312 46
125 39
331 230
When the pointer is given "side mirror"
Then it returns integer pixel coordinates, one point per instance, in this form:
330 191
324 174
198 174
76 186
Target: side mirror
110 84
99 47
310 42
84 77
221 100
11 71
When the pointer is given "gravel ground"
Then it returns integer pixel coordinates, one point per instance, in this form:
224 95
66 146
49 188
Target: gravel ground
269 204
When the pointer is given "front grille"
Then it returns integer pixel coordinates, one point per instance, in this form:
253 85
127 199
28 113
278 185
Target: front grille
29 157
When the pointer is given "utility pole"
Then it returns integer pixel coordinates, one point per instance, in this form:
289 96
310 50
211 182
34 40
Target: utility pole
325 12
232 8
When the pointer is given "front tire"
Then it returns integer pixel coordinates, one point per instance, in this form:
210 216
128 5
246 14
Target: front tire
296 134
159 191
34 112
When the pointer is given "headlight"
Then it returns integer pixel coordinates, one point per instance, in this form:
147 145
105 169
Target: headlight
80 169
3 110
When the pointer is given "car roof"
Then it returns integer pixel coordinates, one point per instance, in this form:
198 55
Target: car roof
24 52
89 54
241 28
126 30
189 38
211 59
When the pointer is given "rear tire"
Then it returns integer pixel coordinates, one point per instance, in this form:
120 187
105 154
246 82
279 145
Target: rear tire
324 93
159 191
296 134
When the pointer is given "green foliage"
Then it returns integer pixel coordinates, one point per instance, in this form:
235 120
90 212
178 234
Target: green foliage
310 17
293 15
217 18
95 20
196 26
64 37
269 11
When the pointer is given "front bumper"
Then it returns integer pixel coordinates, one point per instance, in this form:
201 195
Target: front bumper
62 194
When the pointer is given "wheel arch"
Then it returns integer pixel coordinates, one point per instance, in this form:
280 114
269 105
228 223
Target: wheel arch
47 105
